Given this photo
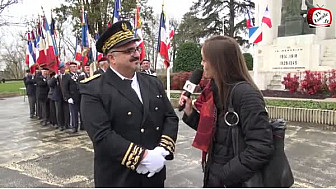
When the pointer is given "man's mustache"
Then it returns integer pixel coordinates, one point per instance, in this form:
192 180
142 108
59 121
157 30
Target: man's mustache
135 59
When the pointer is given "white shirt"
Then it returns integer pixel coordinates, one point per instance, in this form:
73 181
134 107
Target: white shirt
134 84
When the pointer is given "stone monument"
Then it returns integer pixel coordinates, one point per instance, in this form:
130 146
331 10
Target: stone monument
290 45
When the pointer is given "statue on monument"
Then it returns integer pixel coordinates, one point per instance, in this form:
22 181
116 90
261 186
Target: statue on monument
292 8
292 20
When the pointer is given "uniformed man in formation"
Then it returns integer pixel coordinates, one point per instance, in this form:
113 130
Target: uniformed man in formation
103 66
71 93
128 116
56 92
145 67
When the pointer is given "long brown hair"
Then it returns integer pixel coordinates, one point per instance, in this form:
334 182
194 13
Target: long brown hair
225 57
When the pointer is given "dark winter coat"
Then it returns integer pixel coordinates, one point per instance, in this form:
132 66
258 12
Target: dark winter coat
222 168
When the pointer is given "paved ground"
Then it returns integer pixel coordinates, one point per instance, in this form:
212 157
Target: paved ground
34 156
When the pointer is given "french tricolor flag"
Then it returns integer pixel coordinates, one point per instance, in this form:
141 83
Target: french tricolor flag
255 34
267 18
78 53
162 41
248 20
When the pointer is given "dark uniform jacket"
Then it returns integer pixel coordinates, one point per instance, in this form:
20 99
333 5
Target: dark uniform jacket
42 88
59 87
121 127
151 71
30 84
99 71
222 168
70 87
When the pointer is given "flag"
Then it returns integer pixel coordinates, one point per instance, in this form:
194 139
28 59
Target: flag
162 42
248 20
267 18
138 34
27 55
85 30
41 58
78 52
85 39
33 40
51 62
31 48
116 11
30 56
171 35
98 54
53 35
255 34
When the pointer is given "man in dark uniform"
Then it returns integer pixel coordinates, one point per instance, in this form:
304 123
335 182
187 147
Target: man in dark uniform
30 84
71 94
145 67
103 66
128 116
62 106
86 71
42 96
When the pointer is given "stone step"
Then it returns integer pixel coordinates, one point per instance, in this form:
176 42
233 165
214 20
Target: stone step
329 54
329 58
330 50
274 87
277 77
275 82
330 63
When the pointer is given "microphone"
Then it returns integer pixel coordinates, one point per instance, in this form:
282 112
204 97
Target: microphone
191 84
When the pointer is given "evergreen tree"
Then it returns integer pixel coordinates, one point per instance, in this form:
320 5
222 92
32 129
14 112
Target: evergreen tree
206 17
188 57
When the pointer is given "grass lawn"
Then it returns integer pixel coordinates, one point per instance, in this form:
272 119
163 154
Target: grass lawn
11 87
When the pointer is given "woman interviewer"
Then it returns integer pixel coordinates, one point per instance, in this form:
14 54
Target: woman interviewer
224 64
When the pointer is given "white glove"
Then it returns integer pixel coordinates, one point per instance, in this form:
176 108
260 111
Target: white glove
56 75
154 161
70 101
162 151
141 169
82 73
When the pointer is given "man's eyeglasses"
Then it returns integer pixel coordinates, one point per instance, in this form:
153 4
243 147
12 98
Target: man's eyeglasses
128 51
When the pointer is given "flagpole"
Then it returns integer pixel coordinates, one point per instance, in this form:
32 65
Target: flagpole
255 52
168 68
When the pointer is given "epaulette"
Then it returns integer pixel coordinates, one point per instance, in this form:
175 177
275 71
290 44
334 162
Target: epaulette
90 78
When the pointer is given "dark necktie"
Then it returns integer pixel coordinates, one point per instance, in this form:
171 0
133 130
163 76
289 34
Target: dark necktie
129 86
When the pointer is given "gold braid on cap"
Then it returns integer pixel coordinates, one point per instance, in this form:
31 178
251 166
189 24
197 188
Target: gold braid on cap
125 33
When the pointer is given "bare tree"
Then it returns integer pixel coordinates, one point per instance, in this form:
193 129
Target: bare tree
3 5
13 55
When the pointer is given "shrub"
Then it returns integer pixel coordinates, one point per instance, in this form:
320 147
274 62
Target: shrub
332 83
249 60
188 57
291 83
179 80
312 83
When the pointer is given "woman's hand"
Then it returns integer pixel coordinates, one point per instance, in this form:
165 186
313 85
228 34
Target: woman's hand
188 106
